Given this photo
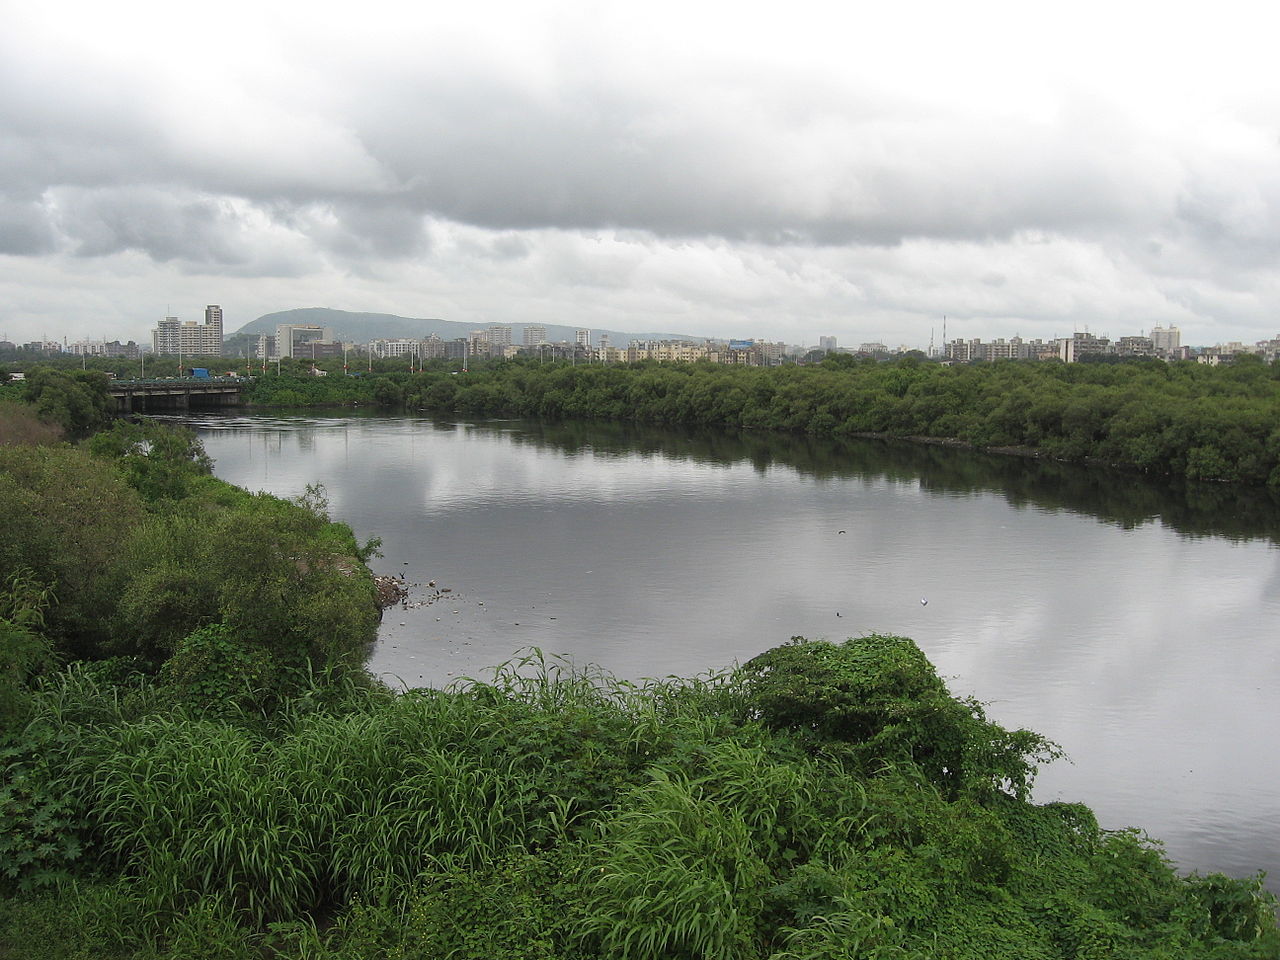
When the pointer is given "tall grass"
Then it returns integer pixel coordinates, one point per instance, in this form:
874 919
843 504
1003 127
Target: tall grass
553 813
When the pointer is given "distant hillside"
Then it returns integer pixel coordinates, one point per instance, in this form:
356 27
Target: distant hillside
363 327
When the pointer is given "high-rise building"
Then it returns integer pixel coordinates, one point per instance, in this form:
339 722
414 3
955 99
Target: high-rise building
1082 345
1166 340
499 335
827 343
173 338
582 338
166 339
534 334
213 327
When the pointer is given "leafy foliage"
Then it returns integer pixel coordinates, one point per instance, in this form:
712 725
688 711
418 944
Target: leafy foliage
882 696
212 672
24 650
157 461
548 813
75 400
1180 419
65 515
41 828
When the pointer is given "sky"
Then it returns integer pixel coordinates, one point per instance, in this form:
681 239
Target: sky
777 171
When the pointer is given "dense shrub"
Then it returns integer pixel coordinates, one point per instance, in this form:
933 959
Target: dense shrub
456 823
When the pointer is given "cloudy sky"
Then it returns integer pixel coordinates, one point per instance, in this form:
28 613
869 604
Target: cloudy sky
782 170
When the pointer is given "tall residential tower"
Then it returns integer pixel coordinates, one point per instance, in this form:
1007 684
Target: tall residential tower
174 338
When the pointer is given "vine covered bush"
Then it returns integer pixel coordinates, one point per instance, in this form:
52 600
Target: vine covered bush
550 813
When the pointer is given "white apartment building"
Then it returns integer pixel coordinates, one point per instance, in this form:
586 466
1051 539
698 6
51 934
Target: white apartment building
172 337
427 348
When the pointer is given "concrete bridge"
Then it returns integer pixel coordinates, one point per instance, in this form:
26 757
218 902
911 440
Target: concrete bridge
175 393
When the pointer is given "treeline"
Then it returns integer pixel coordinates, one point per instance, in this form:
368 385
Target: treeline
1180 419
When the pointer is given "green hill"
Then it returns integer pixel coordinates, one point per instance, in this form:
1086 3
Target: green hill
362 327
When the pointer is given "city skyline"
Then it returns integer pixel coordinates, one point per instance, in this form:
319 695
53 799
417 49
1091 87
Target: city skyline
937 345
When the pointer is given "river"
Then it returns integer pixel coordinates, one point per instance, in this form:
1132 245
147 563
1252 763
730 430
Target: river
1132 623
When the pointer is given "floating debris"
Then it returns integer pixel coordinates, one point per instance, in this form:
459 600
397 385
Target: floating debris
390 590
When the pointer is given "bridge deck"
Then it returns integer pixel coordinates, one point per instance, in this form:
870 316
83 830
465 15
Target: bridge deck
175 393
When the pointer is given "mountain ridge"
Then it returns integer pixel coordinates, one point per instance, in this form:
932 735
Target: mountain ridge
361 327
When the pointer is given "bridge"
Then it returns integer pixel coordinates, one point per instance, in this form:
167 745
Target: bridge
175 393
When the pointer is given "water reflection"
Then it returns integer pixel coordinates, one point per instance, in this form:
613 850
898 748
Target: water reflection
1122 498
1117 497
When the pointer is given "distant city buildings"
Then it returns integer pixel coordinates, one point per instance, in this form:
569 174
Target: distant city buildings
428 348
101 348
1166 340
312 342
1162 343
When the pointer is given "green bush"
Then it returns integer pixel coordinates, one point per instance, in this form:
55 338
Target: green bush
881 695
214 672
550 813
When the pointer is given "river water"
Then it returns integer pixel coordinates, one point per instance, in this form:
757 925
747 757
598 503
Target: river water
1132 623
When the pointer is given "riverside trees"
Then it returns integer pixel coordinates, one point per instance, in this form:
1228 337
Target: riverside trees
139 547
1179 419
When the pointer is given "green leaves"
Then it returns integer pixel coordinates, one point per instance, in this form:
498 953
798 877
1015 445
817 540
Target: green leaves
563 815
75 400
41 825
881 696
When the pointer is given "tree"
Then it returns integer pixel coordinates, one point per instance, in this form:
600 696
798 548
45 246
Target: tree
65 516
76 400
881 695
158 461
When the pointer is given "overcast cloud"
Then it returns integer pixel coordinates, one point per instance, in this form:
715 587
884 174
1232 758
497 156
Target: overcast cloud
811 170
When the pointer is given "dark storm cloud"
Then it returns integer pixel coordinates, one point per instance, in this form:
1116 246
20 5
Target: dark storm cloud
376 229
25 228
161 224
